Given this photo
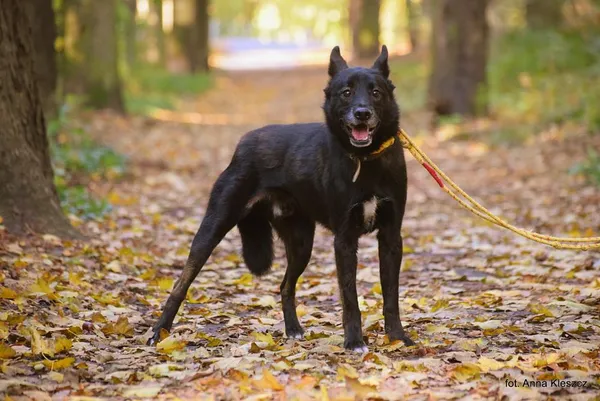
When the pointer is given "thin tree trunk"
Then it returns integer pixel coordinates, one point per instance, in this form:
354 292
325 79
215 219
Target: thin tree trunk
364 23
42 19
544 13
131 34
28 198
457 83
200 44
160 34
413 21
103 82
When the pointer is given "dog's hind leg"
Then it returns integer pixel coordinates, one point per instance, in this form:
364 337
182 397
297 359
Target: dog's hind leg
227 203
297 233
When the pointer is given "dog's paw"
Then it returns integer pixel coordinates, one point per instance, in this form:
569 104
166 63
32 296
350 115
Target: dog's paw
401 335
356 346
408 341
155 339
295 334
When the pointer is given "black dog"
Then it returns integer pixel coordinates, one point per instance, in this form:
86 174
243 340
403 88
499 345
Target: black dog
348 175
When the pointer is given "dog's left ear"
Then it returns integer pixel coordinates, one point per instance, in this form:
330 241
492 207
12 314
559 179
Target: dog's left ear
336 62
381 64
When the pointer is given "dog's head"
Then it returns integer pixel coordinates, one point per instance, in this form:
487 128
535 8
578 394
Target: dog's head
360 108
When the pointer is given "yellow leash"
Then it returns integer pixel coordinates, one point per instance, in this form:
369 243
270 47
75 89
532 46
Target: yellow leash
581 243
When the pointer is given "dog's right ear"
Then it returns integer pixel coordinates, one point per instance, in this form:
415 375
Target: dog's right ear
336 62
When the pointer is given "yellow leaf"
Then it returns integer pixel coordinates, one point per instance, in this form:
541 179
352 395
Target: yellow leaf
121 327
233 257
268 382
114 266
169 345
466 372
440 304
546 360
245 280
267 300
41 286
59 364
540 310
62 344
7 293
38 344
6 351
263 337
361 390
487 364
345 370
98 317
57 377
406 265
165 283
148 274
148 390
376 288
489 324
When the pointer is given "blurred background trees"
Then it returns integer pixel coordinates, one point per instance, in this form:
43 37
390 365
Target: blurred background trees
527 63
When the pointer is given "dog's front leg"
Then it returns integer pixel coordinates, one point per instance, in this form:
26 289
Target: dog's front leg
390 258
346 246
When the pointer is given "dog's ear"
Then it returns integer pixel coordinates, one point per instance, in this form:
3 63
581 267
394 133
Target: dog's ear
381 64
336 62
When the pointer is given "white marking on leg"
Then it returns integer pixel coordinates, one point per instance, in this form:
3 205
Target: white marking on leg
277 212
369 212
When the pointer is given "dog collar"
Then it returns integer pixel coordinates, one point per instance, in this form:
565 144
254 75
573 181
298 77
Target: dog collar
373 155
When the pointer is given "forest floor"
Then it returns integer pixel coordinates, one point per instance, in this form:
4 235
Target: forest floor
488 309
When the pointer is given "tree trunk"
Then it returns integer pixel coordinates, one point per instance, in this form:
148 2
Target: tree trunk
103 82
364 23
28 198
544 13
42 19
200 44
130 26
160 34
413 21
457 82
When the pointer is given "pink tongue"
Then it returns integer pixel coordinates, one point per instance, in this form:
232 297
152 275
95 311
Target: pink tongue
360 134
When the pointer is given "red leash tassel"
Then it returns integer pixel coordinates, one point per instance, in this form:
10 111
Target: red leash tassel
434 174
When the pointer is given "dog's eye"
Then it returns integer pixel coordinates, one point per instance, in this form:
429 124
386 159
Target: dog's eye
376 94
346 94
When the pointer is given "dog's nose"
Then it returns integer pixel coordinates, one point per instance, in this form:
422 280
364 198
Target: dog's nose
362 114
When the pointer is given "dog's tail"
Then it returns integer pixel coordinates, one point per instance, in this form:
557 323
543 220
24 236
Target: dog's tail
257 239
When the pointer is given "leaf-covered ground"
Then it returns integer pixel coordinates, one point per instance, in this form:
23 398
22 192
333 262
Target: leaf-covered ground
488 309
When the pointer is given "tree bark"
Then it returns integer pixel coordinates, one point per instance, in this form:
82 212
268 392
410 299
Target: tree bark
103 82
160 34
413 20
544 13
41 16
457 82
200 43
130 34
191 32
28 198
364 23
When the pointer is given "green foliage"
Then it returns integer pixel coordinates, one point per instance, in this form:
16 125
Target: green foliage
590 167
77 160
545 77
151 88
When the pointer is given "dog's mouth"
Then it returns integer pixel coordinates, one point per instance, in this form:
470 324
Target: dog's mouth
361 135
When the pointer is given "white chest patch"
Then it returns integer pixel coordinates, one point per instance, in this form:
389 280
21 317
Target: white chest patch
370 212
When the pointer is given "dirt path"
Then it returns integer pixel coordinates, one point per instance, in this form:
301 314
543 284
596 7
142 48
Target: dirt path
485 306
